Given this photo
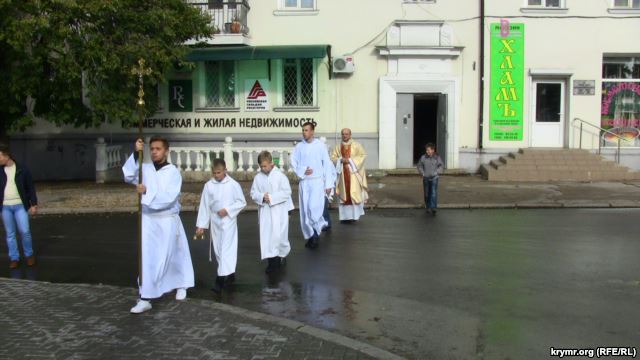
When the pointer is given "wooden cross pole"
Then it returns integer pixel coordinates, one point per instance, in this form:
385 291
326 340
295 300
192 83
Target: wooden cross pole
140 71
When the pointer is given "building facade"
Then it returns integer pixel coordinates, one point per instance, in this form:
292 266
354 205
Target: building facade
477 78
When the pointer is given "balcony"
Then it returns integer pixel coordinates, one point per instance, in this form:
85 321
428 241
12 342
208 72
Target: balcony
229 19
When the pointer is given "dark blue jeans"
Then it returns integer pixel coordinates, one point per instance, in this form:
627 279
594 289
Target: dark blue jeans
430 186
326 215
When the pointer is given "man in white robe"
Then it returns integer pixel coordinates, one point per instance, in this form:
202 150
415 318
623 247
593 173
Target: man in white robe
310 162
221 202
352 187
272 192
166 261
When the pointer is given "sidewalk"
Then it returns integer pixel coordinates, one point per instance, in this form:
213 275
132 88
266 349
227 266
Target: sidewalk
458 192
70 321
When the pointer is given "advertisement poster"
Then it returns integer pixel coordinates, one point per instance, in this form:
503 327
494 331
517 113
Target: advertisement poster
507 82
620 113
180 96
256 99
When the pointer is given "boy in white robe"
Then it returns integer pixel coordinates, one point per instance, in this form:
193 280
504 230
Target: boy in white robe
221 202
310 161
272 192
166 261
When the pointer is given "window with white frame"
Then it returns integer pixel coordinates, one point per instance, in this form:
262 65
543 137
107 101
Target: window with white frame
297 4
220 84
626 4
298 82
545 3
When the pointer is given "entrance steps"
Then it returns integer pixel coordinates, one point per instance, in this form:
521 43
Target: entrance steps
539 165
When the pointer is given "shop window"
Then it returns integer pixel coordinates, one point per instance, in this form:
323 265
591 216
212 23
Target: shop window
220 84
545 3
626 4
620 109
298 82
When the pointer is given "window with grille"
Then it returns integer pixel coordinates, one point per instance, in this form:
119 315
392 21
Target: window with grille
220 89
545 3
626 4
298 82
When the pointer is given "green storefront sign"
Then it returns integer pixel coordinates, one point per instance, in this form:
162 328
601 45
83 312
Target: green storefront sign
507 82
180 96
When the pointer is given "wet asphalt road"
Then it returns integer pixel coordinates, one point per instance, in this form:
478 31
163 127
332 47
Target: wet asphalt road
481 284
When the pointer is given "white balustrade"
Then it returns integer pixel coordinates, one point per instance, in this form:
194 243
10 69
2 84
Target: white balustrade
199 158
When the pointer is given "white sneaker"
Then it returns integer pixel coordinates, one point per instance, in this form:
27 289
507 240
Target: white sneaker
141 306
181 294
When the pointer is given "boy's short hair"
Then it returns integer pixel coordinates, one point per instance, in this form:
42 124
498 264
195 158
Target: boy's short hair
431 146
264 156
309 123
218 163
161 139
4 148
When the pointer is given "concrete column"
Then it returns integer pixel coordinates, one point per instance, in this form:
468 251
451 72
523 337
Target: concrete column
101 160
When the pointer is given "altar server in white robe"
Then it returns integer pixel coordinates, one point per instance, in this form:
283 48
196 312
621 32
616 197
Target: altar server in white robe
310 161
166 261
272 192
221 202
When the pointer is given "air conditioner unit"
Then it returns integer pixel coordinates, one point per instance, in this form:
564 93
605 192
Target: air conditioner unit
343 64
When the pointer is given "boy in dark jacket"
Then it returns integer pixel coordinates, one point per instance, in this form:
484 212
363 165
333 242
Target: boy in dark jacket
430 167
17 200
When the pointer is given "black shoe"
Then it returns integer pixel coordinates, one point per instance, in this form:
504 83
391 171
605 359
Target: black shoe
326 228
219 284
271 267
433 212
315 242
308 244
230 279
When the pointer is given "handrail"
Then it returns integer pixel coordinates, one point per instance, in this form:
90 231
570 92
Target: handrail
599 142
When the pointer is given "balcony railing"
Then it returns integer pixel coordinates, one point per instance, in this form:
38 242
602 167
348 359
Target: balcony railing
228 17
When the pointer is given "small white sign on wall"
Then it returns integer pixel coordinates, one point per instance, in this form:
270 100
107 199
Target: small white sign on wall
256 98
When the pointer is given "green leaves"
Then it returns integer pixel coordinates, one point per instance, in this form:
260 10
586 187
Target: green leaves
67 54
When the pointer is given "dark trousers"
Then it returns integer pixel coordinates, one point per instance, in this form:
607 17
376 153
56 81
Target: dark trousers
325 214
430 186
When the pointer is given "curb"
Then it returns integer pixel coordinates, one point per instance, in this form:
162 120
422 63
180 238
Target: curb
325 335
458 206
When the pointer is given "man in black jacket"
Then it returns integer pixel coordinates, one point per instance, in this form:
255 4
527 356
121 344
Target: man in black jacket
17 200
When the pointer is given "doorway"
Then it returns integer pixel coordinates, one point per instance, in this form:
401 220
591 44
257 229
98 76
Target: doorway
421 119
425 110
547 113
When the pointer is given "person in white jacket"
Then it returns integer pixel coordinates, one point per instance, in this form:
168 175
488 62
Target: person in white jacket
221 202
272 192
166 261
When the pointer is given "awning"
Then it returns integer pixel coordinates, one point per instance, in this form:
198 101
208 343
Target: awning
258 52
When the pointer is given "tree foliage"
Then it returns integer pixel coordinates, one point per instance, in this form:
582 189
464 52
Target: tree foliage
69 61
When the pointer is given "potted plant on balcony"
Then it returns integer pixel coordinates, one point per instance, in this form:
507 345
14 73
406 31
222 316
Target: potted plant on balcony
236 26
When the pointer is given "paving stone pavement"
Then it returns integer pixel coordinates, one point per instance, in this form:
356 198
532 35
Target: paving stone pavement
68 321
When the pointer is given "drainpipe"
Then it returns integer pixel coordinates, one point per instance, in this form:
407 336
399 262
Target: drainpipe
481 100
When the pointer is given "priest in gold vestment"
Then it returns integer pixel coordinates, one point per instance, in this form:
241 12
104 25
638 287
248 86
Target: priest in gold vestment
351 187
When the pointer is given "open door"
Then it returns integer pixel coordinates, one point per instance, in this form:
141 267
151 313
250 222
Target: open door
441 143
404 131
